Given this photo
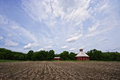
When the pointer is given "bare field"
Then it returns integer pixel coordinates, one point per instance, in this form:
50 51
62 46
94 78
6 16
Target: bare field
61 70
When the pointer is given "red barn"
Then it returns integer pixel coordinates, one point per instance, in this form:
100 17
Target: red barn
82 56
57 58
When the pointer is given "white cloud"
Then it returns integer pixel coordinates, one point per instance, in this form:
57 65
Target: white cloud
63 47
24 31
98 32
9 35
48 47
94 27
10 43
103 7
67 17
3 20
1 37
92 34
82 47
99 26
40 49
38 10
106 25
14 28
71 49
30 45
49 10
74 38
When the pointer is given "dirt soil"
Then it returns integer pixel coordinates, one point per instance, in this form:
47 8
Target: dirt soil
60 70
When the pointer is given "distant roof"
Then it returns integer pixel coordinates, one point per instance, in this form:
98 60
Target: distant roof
56 57
82 54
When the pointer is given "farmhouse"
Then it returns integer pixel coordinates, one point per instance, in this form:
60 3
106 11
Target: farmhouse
82 56
57 58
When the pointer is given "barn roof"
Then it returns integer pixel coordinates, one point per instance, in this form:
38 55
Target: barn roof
82 54
56 57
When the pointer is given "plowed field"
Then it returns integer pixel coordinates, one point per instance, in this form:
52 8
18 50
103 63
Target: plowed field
61 70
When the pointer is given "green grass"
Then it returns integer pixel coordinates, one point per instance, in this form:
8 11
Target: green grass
81 61
59 61
10 61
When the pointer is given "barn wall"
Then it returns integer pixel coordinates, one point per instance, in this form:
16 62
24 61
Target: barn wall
57 59
82 58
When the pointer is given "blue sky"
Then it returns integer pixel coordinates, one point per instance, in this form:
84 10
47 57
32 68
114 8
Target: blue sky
60 25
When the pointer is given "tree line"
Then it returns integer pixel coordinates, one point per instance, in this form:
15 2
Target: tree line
103 56
38 55
49 55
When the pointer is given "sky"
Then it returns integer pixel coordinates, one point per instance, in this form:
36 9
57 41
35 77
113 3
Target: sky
60 25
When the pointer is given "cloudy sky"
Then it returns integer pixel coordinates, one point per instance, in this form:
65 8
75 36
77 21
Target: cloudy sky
60 25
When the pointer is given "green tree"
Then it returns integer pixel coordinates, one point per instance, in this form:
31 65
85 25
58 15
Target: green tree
65 55
51 55
40 55
57 55
95 54
72 56
106 56
29 55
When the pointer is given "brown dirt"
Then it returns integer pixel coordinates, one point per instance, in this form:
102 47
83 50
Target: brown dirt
46 70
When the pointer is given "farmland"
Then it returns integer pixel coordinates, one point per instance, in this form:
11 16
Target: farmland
59 70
